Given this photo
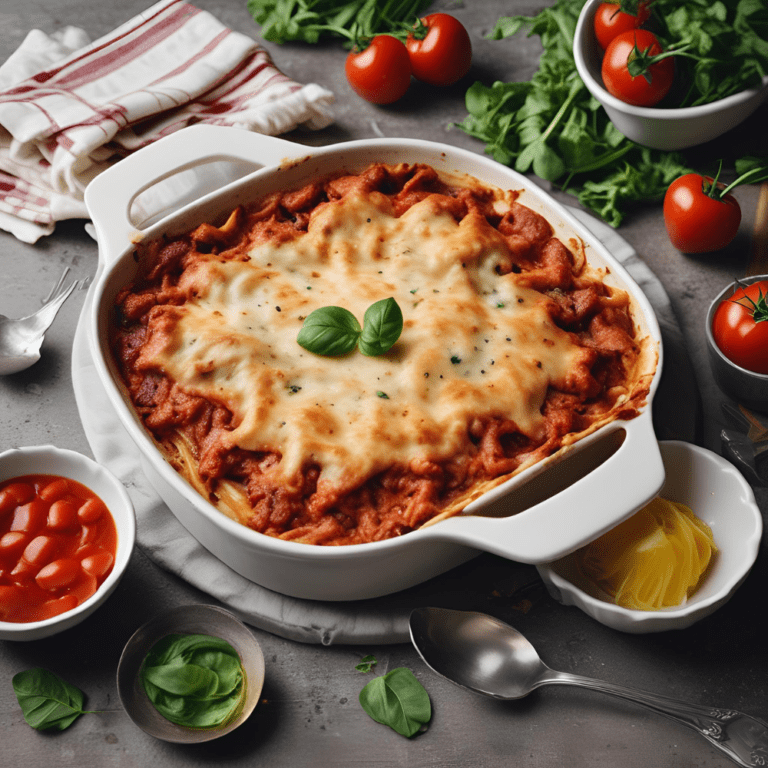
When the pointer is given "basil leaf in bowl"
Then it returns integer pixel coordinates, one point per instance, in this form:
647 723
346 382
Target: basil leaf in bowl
194 680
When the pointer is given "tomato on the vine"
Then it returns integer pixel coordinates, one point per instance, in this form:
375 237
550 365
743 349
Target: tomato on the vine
611 19
633 70
698 220
381 72
440 49
740 327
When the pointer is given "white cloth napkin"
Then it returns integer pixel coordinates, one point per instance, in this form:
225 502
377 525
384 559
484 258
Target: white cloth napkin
69 108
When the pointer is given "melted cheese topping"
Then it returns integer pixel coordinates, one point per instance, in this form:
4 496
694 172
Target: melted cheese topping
474 343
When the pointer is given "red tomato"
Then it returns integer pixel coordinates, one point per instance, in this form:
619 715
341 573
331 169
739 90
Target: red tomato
696 222
380 73
642 90
440 50
611 19
740 327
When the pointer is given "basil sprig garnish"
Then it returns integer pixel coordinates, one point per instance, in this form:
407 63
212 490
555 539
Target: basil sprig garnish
47 702
333 331
398 700
194 680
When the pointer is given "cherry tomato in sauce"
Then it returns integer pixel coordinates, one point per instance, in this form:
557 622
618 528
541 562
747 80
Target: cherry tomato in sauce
57 545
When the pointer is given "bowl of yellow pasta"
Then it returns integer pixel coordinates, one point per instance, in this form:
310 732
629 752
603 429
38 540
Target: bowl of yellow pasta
675 561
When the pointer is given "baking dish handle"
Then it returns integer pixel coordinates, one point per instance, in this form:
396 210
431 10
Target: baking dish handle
110 195
609 494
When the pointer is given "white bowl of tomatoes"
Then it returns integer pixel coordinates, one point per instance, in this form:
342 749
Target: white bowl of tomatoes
737 341
660 127
67 532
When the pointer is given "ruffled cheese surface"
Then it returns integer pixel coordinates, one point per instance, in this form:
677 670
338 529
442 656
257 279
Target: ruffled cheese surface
474 343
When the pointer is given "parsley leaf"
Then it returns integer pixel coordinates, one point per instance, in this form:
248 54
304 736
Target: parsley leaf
310 20
367 663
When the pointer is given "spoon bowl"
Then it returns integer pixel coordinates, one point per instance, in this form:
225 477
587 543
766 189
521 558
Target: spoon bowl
487 656
476 651
20 340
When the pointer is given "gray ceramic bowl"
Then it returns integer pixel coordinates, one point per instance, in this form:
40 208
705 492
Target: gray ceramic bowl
746 387
187 619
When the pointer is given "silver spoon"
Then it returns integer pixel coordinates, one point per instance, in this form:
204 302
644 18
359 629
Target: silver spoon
20 340
487 656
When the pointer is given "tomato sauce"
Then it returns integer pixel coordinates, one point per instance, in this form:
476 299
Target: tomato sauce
57 545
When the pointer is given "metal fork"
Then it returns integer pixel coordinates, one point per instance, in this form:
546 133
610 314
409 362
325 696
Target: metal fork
21 339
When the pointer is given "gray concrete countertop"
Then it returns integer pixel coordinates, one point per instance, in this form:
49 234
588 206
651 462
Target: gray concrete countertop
309 714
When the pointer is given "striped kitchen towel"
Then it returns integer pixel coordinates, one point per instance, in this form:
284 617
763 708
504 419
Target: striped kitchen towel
70 108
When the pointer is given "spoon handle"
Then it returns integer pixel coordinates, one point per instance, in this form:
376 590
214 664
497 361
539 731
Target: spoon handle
742 737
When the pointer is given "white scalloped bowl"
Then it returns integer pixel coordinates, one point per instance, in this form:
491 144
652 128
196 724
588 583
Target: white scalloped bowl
720 496
49 460
655 127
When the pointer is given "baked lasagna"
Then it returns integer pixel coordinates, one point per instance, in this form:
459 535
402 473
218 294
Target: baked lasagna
512 348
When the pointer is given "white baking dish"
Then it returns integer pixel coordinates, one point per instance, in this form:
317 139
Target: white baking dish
540 515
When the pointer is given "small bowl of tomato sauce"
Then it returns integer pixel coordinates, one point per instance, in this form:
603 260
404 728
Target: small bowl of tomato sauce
737 341
67 531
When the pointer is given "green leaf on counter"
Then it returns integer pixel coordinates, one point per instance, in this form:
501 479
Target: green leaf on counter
194 680
47 702
398 700
367 663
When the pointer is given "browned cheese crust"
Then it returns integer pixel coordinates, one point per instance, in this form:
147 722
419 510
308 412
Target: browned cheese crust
512 347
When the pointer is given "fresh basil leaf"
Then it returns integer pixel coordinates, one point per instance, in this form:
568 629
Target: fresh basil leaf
382 326
398 700
183 680
47 701
194 680
330 331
